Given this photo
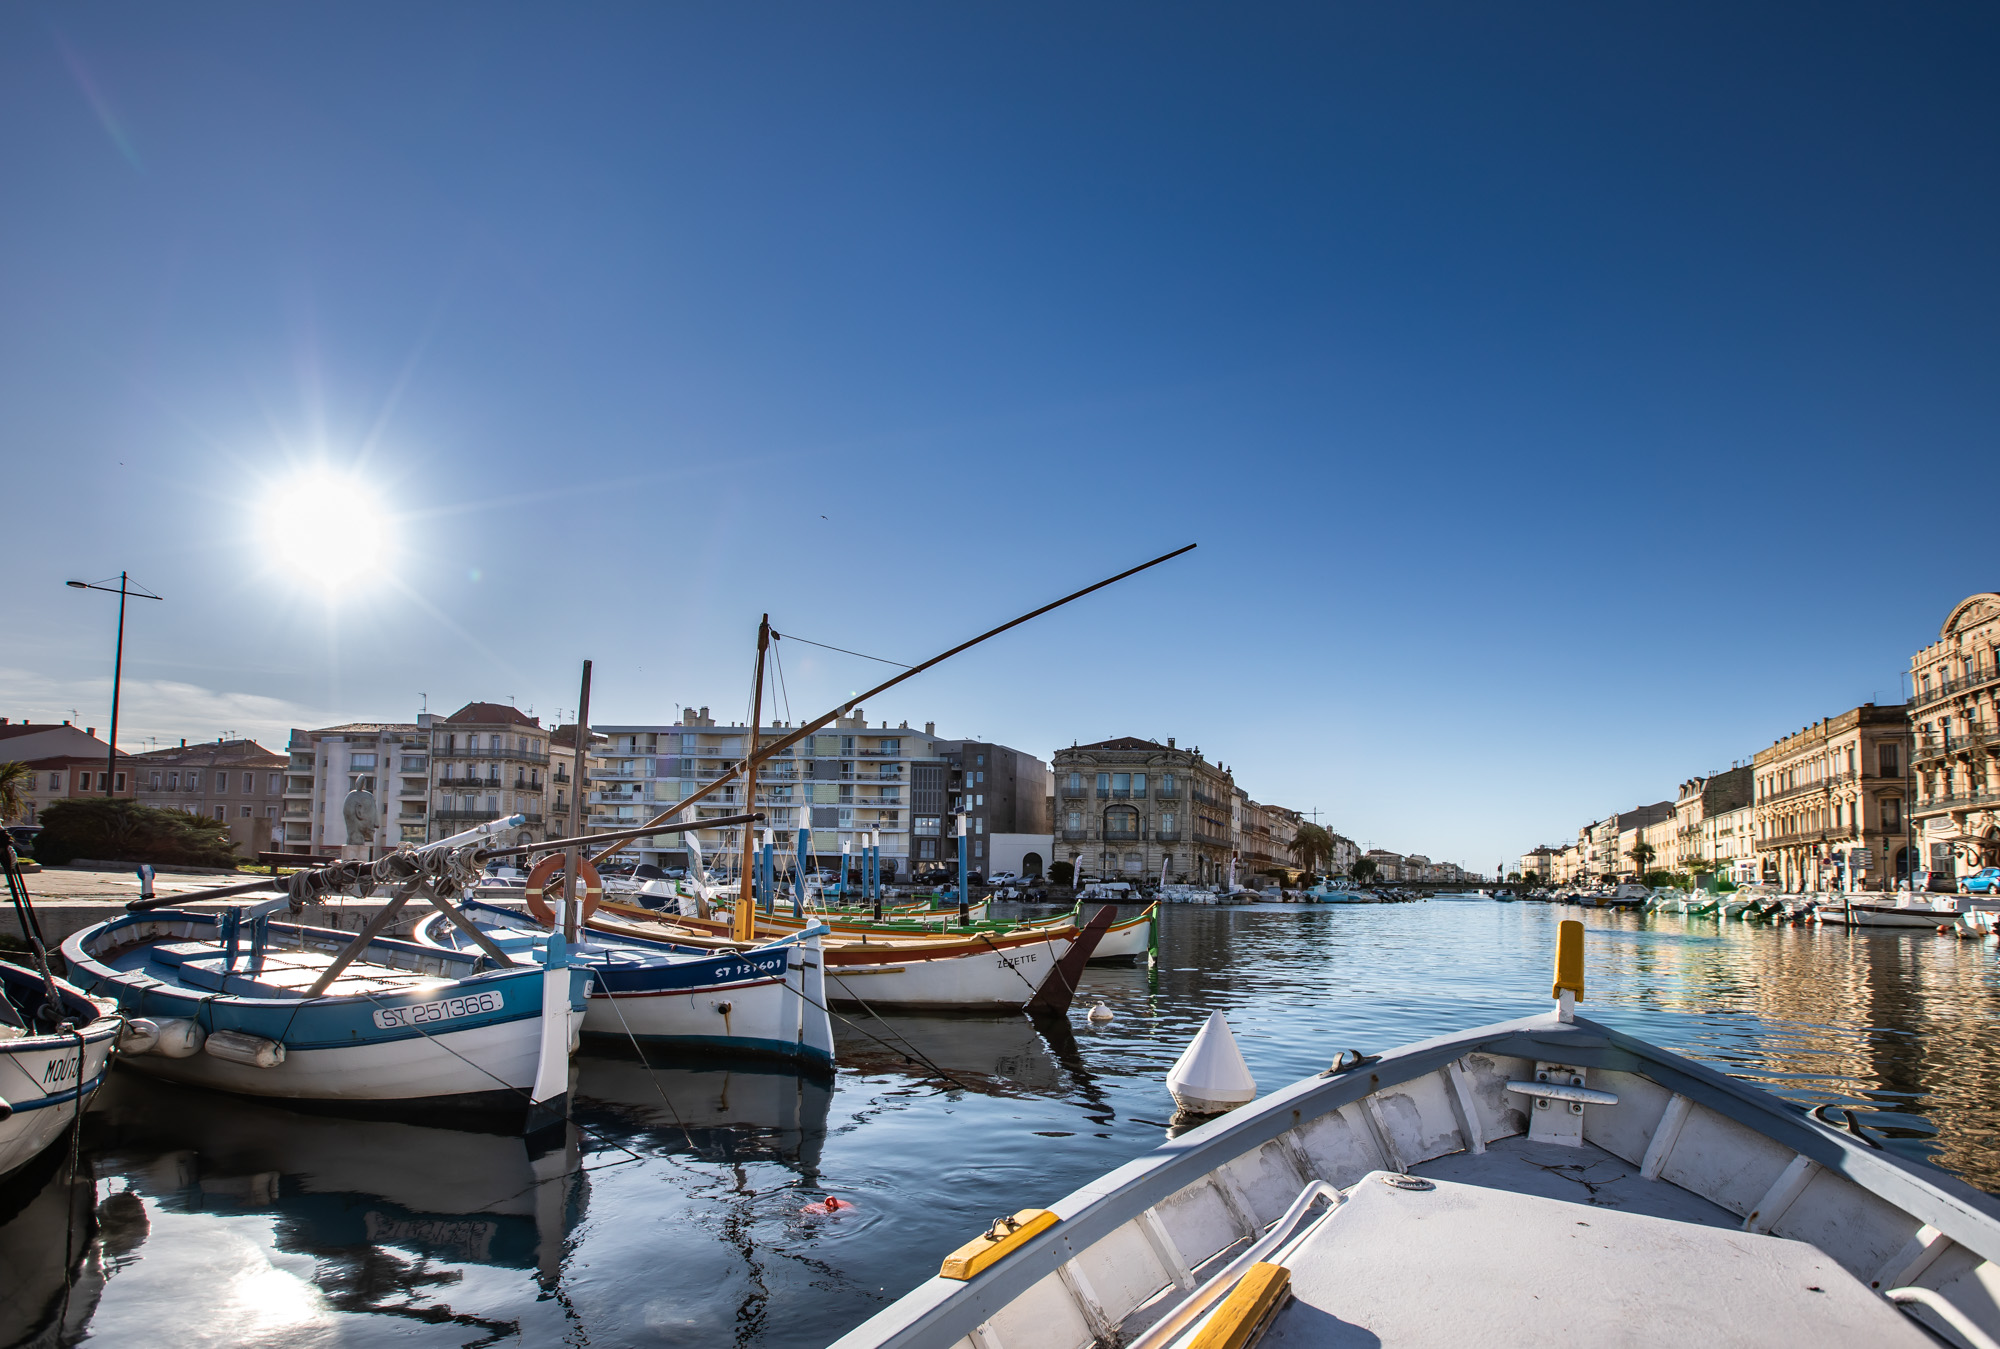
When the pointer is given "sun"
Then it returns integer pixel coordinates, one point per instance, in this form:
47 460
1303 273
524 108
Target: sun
328 529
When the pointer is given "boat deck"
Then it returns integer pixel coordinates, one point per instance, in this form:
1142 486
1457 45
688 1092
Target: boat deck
1534 1243
287 972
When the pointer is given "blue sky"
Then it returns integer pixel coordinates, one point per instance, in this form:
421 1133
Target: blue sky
1565 401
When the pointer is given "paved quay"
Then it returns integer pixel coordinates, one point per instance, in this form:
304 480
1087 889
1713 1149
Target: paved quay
70 898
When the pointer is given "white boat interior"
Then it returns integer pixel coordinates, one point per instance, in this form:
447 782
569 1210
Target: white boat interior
1543 1180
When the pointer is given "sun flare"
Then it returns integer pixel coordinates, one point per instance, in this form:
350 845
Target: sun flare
328 529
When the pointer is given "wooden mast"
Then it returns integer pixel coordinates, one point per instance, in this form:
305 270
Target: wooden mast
572 882
746 895
752 752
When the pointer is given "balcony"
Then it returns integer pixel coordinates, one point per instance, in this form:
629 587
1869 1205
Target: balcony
1963 683
1073 835
478 816
1204 799
1121 794
1121 835
509 755
1822 785
1103 793
1212 840
1937 805
298 812
1075 793
1167 836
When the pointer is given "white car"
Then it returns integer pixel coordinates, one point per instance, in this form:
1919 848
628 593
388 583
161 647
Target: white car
1003 878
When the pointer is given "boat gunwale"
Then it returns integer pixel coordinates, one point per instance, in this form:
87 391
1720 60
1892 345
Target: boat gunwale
944 1311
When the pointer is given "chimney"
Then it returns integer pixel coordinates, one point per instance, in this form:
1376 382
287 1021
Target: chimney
930 728
904 727
90 730
1170 742
65 721
184 745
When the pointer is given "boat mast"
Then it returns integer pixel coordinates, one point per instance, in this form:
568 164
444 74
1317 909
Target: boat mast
746 897
572 885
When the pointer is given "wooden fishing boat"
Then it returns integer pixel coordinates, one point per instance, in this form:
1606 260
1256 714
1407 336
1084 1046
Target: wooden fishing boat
975 972
1126 940
55 1048
1542 1178
766 1001
230 1004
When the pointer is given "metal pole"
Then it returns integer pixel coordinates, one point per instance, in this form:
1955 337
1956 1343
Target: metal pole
964 900
572 856
745 927
799 873
117 674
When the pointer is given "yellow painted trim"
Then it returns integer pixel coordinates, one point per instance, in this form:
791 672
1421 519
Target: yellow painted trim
987 1248
1246 1313
1569 959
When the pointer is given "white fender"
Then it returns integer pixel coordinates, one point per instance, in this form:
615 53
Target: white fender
179 1037
237 1047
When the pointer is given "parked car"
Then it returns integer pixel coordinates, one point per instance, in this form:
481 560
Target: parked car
1982 882
936 876
1936 882
1003 878
24 838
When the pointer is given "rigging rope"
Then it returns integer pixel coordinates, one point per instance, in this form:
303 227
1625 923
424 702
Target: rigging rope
775 635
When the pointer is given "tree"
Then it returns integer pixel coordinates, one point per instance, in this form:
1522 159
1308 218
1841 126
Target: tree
1363 871
125 831
1061 873
14 779
1310 846
1642 854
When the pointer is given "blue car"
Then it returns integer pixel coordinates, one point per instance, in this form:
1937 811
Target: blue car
1984 882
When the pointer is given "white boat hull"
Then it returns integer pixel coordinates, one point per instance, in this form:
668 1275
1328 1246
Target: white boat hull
993 980
39 1082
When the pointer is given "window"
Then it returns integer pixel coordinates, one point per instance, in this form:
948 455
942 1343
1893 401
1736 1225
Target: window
1892 761
55 782
979 800
361 762
978 849
1138 784
1167 822
1076 782
978 825
1103 784
156 780
927 849
979 760
493 803
221 812
1892 812
273 784
1073 820
895 746
246 812
1851 751
1166 784
121 782
100 780
1121 784
270 812
1927 684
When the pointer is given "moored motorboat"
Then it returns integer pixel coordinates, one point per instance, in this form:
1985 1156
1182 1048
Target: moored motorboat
1478 1188
767 1001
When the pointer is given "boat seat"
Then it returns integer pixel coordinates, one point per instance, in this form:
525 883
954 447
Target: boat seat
175 952
1550 1260
289 974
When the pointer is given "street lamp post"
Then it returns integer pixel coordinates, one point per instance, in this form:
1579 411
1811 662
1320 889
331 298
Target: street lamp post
123 591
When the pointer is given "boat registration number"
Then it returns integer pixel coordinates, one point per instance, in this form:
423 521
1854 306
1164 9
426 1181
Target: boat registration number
444 1009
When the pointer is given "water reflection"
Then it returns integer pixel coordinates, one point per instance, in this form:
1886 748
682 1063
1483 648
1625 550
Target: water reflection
690 1207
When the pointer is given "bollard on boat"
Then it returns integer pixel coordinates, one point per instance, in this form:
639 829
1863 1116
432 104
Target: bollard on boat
1210 1076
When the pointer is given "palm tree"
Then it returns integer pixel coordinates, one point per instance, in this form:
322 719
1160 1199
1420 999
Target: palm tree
1363 871
1641 854
1310 845
14 779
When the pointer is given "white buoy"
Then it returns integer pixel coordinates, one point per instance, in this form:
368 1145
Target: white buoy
1210 1076
1101 1013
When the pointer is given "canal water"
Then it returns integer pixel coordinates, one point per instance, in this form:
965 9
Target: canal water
689 1208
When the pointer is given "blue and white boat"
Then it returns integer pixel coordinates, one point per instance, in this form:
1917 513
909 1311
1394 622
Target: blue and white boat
1327 893
47 1073
768 1001
229 1002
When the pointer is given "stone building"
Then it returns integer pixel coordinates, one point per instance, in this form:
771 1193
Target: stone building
1131 808
1388 865
1955 712
238 781
486 760
1541 863
1701 801
1830 802
64 761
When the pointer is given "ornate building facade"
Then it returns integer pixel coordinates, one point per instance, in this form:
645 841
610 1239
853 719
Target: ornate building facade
1130 809
1830 801
1955 712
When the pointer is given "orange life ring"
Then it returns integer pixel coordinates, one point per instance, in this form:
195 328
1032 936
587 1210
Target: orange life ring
545 870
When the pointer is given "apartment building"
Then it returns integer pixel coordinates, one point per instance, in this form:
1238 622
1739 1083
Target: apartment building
388 759
559 792
63 762
999 789
237 781
1263 839
486 760
1541 864
1955 712
1830 801
1131 808
1389 866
